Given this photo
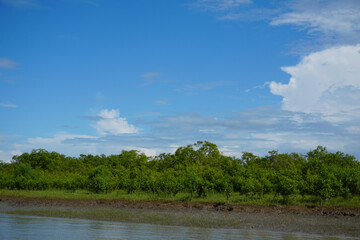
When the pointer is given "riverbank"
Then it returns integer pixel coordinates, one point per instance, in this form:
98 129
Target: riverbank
313 220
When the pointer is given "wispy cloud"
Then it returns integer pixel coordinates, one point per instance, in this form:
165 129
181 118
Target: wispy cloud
8 105
253 14
330 21
10 79
262 86
22 3
205 86
8 63
59 142
219 5
330 17
161 102
152 77
260 130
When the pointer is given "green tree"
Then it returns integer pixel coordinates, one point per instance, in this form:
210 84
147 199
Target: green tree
285 185
99 180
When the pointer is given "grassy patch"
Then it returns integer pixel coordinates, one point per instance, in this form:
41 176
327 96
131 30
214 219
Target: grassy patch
236 198
353 202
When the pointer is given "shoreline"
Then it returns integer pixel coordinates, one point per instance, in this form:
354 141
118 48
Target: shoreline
327 221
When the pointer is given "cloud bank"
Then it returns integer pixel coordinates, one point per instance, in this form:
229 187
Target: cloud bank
256 130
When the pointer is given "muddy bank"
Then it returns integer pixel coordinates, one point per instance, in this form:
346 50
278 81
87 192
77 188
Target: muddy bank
310 219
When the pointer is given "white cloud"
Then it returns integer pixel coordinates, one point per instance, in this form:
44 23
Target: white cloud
325 82
110 123
8 63
8 105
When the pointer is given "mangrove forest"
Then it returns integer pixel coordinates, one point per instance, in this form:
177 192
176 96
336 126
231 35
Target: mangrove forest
196 170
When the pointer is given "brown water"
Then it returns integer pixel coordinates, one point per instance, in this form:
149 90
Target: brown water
41 228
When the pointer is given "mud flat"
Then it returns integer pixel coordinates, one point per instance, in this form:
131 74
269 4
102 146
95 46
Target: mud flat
313 220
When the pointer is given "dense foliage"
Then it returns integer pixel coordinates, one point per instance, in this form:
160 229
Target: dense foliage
197 169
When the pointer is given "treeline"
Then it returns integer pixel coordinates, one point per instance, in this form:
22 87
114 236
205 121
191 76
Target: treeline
198 169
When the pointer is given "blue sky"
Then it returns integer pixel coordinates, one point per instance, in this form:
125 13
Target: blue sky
93 77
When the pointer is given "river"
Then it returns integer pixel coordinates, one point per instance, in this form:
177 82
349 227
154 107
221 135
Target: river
14 227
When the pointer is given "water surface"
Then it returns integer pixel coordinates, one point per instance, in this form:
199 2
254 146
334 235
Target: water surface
40 228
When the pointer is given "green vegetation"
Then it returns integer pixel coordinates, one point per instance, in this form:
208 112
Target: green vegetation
197 173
